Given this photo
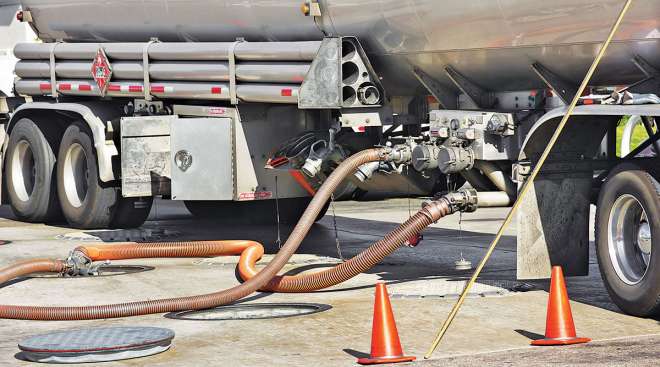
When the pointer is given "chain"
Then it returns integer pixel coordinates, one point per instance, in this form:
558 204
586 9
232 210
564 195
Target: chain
408 193
334 222
460 226
277 213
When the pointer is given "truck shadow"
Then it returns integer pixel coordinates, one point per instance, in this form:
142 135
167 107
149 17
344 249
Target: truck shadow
433 259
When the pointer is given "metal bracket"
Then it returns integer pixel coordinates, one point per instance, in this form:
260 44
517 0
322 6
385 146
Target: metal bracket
233 96
648 125
145 69
481 97
446 98
646 68
564 89
53 76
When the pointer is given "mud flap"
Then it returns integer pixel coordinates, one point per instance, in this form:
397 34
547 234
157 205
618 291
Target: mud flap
553 221
553 229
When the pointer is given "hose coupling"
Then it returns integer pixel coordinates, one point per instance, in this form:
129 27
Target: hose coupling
77 264
463 200
398 154
366 171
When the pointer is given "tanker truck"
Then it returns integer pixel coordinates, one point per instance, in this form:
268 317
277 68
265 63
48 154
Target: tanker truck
234 107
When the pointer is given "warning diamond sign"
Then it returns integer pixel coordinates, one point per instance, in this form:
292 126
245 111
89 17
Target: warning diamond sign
101 71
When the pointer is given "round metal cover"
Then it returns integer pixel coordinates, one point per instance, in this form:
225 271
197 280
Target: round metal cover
253 311
96 345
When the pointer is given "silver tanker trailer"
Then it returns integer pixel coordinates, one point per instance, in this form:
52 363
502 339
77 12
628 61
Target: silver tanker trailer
231 105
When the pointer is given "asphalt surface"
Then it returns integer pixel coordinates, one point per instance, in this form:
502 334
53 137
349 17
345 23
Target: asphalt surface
495 326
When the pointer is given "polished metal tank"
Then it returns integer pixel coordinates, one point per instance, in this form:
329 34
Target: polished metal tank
492 42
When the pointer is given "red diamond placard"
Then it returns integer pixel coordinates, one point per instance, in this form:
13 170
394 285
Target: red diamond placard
101 71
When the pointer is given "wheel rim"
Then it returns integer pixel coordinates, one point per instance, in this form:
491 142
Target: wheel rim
24 171
75 175
629 239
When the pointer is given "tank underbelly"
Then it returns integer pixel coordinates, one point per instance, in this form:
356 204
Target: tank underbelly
509 69
491 42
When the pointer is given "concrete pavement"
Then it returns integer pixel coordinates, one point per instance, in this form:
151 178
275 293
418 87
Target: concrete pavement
502 314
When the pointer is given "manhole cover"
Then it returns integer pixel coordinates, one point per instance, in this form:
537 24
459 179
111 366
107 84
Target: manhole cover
105 271
96 345
251 312
121 235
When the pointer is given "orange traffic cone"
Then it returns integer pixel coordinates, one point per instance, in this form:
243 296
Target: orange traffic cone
559 326
385 343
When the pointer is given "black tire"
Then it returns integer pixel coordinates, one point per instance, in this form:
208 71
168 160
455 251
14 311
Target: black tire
634 282
30 168
131 212
251 212
85 202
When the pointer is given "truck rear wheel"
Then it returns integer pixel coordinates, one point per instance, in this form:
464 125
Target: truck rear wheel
30 166
86 203
628 239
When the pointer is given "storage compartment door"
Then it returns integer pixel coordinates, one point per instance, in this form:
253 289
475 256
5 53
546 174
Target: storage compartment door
202 159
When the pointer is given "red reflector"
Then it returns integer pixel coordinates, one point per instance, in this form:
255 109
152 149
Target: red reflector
587 101
362 129
135 88
287 92
216 90
45 86
65 87
278 162
84 87
158 88
114 88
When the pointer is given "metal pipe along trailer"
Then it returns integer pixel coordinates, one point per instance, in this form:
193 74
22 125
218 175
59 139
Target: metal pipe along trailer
229 107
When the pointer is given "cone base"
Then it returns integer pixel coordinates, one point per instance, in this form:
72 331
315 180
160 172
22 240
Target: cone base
383 360
560 341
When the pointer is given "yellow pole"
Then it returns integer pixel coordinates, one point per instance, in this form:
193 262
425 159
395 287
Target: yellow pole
530 181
